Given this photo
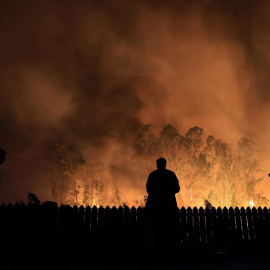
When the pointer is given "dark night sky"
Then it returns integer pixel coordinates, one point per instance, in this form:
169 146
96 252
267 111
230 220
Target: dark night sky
94 72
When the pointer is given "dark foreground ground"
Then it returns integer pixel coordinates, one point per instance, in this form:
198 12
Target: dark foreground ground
34 260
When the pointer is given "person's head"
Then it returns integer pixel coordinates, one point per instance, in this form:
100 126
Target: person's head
161 163
2 156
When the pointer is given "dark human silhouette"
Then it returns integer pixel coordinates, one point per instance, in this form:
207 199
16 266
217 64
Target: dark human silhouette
2 156
161 186
2 159
161 212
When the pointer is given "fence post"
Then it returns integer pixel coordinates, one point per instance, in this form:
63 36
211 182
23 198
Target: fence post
260 232
266 227
203 239
225 226
190 226
114 217
220 231
88 213
244 222
250 224
107 215
133 215
81 218
183 226
214 233
209 233
196 226
126 215
101 213
9 216
94 220
255 224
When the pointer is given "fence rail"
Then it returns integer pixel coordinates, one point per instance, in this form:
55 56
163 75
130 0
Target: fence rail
109 229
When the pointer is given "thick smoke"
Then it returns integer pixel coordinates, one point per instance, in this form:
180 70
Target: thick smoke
92 73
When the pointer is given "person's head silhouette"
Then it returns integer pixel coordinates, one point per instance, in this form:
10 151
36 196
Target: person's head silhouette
161 163
2 156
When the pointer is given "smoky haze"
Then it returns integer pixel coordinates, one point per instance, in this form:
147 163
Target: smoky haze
93 73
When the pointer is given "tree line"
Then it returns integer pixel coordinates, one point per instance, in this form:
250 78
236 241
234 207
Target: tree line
208 169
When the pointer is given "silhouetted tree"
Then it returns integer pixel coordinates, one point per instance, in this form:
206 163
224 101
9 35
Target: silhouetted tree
63 163
116 197
32 198
208 169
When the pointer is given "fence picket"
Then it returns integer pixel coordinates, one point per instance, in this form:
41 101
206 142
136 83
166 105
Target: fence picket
190 225
88 213
94 218
244 224
202 226
183 225
196 226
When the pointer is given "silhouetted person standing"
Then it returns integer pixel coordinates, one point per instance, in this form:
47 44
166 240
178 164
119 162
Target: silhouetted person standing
2 156
161 207
2 159
161 186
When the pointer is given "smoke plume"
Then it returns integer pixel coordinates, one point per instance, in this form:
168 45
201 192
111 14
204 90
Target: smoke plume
93 73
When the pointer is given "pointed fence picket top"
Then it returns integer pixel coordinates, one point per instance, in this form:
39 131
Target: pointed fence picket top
9 213
68 217
133 215
114 216
81 214
244 224
2 217
260 224
208 222
120 215
101 215
139 215
250 224
183 225
21 217
126 214
219 230
196 226
213 225
224 218
238 223
94 218
190 225
239 227
75 218
233 230
255 218
87 218
266 226
202 225
107 215
61 217
16 217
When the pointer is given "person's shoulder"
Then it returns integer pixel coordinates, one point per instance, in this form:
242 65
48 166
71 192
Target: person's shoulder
153 173
169 171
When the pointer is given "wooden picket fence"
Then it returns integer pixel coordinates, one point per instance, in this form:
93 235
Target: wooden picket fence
121 229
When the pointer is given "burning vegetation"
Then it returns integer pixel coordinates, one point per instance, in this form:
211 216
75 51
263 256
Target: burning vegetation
207 169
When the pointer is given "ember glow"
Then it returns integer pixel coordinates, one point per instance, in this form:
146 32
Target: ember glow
91 75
